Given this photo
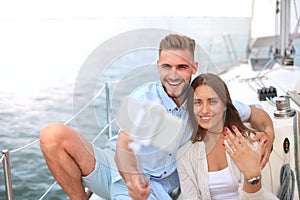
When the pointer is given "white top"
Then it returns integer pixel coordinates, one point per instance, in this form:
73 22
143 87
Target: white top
193 173
222 186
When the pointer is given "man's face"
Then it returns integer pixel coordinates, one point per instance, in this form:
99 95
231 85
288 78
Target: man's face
176 68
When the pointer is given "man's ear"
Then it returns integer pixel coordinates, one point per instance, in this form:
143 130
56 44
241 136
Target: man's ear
195 67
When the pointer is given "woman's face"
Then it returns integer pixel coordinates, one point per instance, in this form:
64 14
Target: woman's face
208 109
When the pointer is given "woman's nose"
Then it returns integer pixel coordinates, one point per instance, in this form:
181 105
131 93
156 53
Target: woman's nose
205 108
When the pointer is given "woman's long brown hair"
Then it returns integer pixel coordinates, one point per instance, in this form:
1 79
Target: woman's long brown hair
231 115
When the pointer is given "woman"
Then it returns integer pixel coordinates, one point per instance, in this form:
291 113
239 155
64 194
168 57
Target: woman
219 162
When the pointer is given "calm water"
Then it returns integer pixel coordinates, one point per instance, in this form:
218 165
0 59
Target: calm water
22 116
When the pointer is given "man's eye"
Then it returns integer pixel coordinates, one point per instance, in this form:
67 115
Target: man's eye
165 66
183 66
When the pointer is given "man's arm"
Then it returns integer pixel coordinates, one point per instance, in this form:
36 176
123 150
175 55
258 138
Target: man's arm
260 120
127 166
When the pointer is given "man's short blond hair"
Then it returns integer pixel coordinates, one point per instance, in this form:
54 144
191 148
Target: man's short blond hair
177 42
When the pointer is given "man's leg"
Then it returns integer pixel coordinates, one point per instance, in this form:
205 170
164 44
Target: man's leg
69 156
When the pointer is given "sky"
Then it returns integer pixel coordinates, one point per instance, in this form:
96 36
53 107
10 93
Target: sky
120 8
44 42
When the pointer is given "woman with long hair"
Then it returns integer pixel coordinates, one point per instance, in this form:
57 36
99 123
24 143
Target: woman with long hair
220 161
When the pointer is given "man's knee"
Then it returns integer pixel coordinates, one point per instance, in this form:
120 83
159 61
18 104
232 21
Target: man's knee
52 134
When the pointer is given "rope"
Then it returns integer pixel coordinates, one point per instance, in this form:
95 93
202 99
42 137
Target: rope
286 191
86 105
25 146
49 189
68 121
296 11
100 133
294 35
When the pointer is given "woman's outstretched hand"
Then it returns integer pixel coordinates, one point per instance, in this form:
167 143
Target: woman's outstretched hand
245 158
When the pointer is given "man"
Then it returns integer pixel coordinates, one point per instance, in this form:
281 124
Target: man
75 163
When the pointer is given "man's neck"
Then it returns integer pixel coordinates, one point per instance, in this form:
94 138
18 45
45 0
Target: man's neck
179 100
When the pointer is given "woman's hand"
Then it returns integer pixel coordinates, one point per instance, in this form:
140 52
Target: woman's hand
245 158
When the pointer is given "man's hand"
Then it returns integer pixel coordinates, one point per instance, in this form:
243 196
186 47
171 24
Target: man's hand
260 137
260 120
136 188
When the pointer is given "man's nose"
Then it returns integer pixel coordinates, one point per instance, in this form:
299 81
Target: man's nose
174 73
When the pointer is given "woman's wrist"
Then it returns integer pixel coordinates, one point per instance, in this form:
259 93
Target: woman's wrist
254 180
252 173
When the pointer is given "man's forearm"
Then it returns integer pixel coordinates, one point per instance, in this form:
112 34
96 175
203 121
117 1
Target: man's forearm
261 121
124 157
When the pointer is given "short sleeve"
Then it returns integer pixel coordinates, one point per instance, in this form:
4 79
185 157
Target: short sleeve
243 109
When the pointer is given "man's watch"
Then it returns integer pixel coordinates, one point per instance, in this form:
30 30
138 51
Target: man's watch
254 180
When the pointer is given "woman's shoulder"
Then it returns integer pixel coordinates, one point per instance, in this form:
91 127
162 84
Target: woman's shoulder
184 147
188 148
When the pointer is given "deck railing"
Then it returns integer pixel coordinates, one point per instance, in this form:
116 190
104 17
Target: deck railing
5 158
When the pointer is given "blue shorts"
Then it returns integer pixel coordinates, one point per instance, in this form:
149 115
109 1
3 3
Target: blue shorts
101 180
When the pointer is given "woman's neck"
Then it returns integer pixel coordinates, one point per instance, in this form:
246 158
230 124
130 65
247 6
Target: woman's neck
212 137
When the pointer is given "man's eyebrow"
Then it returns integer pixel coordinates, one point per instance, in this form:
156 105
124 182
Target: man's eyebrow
183 65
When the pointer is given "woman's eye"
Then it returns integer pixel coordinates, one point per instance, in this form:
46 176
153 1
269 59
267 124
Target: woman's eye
197 102
213 101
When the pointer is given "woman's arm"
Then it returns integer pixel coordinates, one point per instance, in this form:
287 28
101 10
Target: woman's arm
188 184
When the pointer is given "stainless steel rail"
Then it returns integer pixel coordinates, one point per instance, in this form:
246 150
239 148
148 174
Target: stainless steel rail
7 176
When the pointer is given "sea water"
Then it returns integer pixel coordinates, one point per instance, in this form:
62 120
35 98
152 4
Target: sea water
23 113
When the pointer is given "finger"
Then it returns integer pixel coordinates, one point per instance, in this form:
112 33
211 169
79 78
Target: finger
146 181
147 189
230 139
258 136
264 161
240 138
265 156
229 151
234 139
262 146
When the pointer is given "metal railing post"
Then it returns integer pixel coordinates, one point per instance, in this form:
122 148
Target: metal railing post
230 49
7 176
108 110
